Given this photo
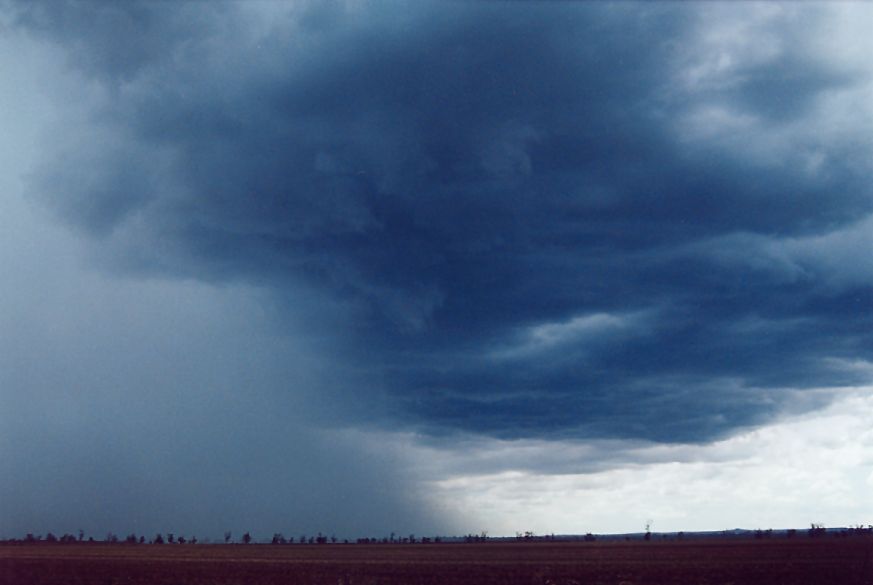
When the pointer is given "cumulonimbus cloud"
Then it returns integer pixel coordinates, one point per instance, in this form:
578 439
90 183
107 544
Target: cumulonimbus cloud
450 175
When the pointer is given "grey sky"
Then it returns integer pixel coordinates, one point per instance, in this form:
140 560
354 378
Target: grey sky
233 236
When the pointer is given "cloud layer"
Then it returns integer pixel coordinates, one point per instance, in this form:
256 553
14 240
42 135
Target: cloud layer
797 471
574 220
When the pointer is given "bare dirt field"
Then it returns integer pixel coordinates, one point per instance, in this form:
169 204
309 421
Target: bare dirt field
790 561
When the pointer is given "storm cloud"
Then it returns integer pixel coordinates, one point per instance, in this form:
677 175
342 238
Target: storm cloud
472 181
515 221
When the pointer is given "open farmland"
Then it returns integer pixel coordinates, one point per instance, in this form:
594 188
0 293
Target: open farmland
800 561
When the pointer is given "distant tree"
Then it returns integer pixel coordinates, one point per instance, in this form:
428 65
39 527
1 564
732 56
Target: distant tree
278 538
142 539
247 538
81 535
51 537
131 539
227 536
111 537
181 540
158 539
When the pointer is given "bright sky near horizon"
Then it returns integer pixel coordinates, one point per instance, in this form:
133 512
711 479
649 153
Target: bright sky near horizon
373 267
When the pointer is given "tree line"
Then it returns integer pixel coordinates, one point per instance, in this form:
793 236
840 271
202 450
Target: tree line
815 531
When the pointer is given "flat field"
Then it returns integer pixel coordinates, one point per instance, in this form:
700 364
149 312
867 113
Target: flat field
748 562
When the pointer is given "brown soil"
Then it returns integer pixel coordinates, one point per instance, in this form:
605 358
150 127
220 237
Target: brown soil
749 562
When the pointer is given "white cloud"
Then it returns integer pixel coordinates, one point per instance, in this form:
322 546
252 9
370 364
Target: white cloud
582 330
814 467
731 44
728 41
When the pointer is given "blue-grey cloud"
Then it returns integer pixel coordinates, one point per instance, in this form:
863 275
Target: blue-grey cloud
534 219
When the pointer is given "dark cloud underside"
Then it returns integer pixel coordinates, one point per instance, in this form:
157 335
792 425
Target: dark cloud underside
501 196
